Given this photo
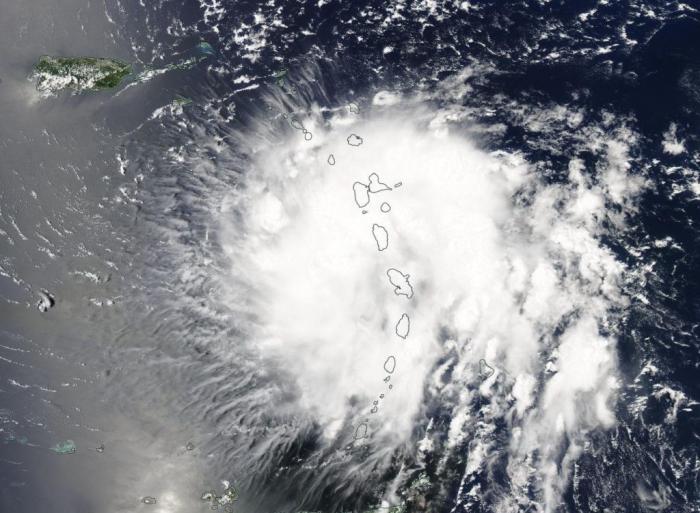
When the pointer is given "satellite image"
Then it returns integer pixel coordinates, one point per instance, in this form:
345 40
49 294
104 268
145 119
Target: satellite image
350 256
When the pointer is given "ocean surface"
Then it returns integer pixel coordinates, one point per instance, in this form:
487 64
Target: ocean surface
323 256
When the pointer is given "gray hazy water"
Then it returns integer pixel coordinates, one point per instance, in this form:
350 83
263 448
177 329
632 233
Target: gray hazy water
67 228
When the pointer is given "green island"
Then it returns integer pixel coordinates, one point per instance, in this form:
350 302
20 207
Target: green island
181 101
79 73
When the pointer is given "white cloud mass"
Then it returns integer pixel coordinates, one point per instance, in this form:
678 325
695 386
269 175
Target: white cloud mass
505 268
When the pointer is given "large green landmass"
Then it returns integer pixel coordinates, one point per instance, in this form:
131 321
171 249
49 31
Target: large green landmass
80 73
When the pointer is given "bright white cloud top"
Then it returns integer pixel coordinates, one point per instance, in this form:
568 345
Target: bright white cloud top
503 268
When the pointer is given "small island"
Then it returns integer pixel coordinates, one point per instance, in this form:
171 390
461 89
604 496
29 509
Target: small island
381 236
79 73
399 280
